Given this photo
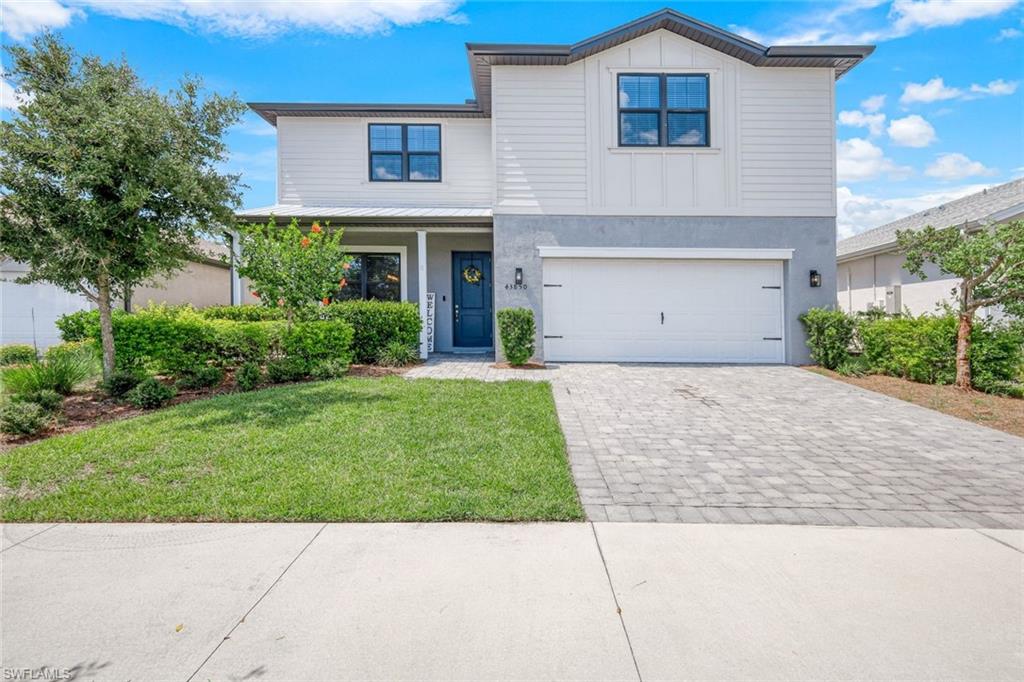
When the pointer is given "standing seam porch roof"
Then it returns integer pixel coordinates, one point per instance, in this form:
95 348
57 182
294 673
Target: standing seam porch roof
482 56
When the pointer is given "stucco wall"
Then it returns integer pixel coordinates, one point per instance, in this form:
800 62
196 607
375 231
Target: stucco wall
516 239
201 284
862 283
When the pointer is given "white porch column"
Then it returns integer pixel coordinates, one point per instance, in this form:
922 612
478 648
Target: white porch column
236 259
421 262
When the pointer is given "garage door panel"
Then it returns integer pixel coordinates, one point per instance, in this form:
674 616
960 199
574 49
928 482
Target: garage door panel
714 311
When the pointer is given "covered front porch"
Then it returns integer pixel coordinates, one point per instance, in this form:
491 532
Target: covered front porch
440 259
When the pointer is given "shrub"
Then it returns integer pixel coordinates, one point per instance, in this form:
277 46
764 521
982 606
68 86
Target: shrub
829 334
996 355
150 394
120 382
854 366
918 348
17 354
397 354
242 313
49 400
328 369
1010 389
204 376
316 341
248 376
283 370
23 419
375 324
80 325
59 371
516 329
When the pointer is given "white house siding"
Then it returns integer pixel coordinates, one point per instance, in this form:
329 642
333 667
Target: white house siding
30 311
539 128
772 150
862 284
324 162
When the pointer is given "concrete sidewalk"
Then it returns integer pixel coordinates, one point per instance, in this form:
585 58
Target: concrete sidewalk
510 601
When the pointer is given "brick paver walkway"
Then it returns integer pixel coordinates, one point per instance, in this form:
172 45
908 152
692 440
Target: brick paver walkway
775 444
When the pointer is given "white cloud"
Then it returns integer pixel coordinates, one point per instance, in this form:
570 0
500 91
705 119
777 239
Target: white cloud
911 131
22 18
956 166
1009 34
858 159
9 96
855 22
873 104
996 88
857 212
858 119
249 19
934 90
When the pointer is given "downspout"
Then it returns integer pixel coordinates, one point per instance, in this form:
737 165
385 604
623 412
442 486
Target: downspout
236 258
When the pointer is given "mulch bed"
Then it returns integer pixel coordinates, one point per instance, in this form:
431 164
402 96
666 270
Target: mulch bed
93 407
528 365
995 411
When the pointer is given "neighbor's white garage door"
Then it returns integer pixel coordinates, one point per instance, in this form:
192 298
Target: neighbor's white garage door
663 310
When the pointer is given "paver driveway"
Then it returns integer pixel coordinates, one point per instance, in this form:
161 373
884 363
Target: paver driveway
774 444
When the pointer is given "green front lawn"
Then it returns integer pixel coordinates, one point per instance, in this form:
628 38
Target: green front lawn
349 450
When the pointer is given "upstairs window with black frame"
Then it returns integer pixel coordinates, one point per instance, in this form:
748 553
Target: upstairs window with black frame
372 277
405 152
663 110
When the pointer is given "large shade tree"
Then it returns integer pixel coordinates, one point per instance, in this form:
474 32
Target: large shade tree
989 263
108 183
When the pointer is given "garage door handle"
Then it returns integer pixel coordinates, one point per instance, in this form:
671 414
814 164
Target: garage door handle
772 338
771 287
663 318
547 336
553 285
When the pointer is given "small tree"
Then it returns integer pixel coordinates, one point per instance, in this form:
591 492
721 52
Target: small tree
107 183
989 263
290 268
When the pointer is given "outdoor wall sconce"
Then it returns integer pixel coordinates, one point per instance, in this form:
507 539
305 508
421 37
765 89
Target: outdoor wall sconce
519 276
815 278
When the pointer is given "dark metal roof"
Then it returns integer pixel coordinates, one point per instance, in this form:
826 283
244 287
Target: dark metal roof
271 110
482 56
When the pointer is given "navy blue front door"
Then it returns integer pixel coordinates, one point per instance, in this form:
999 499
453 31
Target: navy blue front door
471 299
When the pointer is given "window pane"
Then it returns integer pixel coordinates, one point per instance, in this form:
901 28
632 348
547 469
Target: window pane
688 129
639 92
424 138
424 167
385 138
353 281
687 92
638 129
386 166
383 277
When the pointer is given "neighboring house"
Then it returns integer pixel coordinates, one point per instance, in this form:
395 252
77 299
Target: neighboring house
870 271
30 311
664 191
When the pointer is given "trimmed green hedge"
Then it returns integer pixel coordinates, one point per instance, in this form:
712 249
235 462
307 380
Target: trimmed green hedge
516 330
242 313
17 354
921 349
376 325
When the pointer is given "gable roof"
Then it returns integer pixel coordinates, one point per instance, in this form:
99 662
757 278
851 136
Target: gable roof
482 56
998 203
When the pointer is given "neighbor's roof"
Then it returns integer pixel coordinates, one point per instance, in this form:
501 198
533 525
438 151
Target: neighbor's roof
371 213
1001 202
482 56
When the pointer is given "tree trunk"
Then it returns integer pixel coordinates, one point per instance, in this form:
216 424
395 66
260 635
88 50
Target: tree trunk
963 344
106 323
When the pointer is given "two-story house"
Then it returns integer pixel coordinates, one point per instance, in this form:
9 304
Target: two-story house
664 191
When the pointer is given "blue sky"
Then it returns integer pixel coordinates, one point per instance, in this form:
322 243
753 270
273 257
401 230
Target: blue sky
935 113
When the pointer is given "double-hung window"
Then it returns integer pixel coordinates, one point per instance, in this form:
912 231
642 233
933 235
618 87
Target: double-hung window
373 277
663 110
405 152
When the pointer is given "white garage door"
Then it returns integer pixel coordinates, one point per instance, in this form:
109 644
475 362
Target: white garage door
663 310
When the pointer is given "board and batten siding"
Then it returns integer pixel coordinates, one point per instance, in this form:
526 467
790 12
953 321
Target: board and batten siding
771 152
324 161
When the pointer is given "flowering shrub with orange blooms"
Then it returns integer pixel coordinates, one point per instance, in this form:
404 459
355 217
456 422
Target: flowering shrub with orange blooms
291 268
